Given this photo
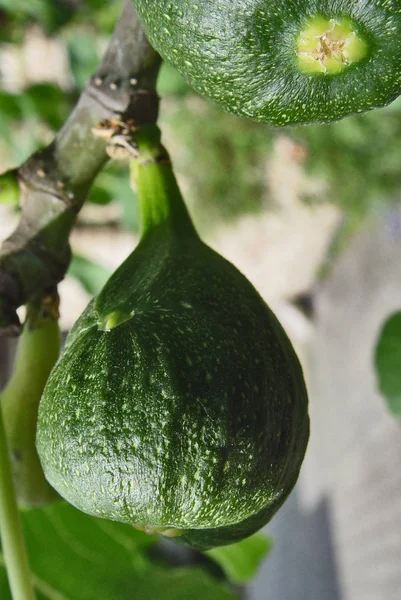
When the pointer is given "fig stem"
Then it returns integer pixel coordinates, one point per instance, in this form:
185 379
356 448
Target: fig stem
14 549
159 197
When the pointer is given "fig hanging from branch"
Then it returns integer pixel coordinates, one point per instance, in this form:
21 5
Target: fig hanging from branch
282 61
178 404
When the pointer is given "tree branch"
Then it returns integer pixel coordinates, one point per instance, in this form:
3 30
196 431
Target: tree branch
54 182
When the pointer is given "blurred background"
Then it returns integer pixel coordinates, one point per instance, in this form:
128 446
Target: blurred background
312 216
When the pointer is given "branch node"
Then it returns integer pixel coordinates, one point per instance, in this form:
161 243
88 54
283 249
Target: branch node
54 182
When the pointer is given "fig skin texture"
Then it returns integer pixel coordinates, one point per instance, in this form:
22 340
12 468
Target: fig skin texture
248 56
178 404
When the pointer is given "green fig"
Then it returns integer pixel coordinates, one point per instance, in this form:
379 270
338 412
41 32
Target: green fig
178 404
282 61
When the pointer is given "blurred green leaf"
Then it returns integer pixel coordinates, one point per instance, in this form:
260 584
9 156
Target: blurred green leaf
107 15
76 557
127 199
388 363
99 195
171 83
112 184
47 102
90 274
10 111
5 131
241 561
10 106
84 53
21 117
4 590
179 584
50 14
9 190
108 185
102 15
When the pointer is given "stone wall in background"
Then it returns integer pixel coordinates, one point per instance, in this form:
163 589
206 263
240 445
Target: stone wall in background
339 535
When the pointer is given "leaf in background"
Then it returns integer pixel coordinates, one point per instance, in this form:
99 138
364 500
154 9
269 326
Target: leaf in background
129 204
10 105
112 184
22 117
109 184
171 83
77 557
4 590
84 54
388 363
104 15
50 14
48 102
10 111
9 190
240 561
99 195
187 583
90 274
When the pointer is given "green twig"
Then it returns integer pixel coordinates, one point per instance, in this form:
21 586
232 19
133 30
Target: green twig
14 550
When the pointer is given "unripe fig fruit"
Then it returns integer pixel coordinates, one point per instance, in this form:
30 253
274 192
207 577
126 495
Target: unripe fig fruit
282 61
178 404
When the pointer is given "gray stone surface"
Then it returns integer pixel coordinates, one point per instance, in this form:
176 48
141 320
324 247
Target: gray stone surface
347 504
302 564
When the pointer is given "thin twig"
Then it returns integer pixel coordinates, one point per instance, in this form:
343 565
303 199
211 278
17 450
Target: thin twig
15 554
54 182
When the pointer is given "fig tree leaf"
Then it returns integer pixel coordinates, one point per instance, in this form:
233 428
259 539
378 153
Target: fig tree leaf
109 185
240 561
171 83
4 590
112 183
179 584
9 190
10 106
83 54
99 195
10 111
388 363
77 557
48 102
91 275
50 15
